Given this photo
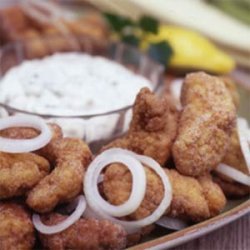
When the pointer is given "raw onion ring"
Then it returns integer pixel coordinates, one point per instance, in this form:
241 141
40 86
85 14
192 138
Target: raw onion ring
248 136
91 184
24 145
234 174
3 112
75 216
242 128
171 223
134 226
175 90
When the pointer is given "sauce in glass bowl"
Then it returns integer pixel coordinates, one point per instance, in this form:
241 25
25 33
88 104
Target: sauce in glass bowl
88 92
70 84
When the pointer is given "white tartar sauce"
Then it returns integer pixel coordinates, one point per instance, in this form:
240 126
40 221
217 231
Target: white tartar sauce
70 84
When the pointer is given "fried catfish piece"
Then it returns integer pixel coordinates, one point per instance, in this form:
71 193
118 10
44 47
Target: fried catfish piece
16 228
213 194
152 129
205 126
71 157
85 234
235 159
191 201
20 172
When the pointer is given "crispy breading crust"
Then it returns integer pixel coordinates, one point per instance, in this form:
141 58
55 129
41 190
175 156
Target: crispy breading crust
205 126
16 228
88 234
213 194
20 172
152 129
188 201
65 182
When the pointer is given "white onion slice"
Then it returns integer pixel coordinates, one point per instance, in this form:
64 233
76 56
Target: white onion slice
248 136
24 145
171 223
3 112
233 174
75 216
91 184
242 128
175 90
133 226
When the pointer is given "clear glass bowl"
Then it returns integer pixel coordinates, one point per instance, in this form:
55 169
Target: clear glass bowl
95 129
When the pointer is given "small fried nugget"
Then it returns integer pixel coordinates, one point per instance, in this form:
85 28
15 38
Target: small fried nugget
191 200
85 234
213 194
195 199
205 126
16 228
188 201
152 129
20 172
71 157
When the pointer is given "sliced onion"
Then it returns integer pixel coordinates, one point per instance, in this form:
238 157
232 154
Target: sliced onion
100 178
175 90
171 223
24 145
75 216
91 184
133 226
233 174
242 128
3 112
248 136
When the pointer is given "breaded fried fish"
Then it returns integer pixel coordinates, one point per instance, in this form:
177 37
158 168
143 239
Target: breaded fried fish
152 129
88 234
205 126
16 228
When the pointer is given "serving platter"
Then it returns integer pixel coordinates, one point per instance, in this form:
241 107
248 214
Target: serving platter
234 210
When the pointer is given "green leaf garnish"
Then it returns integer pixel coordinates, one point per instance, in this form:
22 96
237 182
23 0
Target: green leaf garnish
149 24
160 52
118 23
131 40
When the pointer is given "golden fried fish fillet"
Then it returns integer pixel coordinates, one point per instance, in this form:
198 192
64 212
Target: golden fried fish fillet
16 228
152 129
71 157
205 126
235 159
213 194
87 234
20 172
191 201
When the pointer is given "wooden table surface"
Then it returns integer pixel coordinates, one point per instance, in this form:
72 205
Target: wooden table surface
234 236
